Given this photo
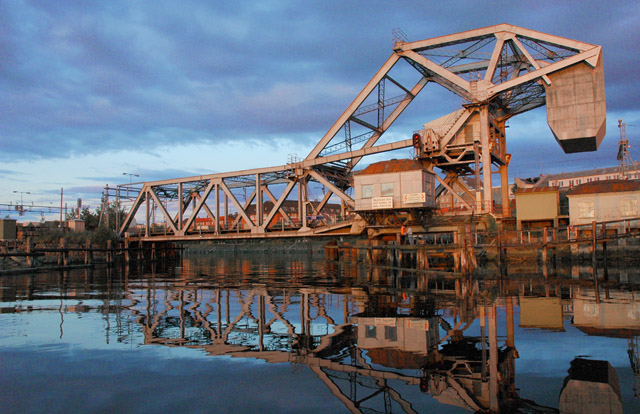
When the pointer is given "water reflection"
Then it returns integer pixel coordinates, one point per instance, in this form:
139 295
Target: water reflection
371 336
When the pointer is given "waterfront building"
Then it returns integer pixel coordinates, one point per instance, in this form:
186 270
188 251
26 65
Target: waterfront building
567 180
537 207
572 179
604 201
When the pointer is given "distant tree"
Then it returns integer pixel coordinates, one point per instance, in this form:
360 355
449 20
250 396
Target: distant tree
115 214
90 218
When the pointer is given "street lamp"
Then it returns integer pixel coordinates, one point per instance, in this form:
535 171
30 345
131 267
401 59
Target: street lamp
130 180
21 200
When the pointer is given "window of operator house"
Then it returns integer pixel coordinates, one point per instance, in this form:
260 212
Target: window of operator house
367 191
386 189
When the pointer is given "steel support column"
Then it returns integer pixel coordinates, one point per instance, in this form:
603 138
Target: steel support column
504 186
147 218
180 209
217 208
258 201
226 211
487 199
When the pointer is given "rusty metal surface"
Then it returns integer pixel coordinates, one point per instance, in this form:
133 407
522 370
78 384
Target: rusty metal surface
609 186
391 166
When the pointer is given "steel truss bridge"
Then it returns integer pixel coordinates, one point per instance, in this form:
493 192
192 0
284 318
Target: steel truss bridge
498 71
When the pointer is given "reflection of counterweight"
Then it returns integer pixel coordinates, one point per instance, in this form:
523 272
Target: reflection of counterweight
592 386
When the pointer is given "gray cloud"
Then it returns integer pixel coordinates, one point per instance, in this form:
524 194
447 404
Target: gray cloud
91 77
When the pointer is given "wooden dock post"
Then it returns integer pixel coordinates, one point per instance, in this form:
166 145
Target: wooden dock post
127 258
30 250
65 254
464 257
422 259
377 254
346 252
503 253
369 253
62 254
109 252
331 251
398 256
88 252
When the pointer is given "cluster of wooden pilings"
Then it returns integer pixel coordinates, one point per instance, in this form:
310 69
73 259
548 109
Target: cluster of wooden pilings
149 251
590 238
453 257
88 254
460 254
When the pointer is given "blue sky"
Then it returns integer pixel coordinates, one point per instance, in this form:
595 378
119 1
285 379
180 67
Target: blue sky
92 89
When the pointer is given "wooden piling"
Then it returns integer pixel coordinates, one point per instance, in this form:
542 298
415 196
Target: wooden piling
88 252
390 257
346 252
29 250
422 259
331 251
63 255
502 254
109 252
126 250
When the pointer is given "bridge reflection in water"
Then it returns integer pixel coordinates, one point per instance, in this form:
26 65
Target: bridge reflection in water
362 330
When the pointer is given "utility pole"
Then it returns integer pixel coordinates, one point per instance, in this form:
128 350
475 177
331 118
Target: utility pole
61 198
21 209
130 180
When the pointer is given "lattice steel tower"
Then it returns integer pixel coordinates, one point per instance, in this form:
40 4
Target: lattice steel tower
625 163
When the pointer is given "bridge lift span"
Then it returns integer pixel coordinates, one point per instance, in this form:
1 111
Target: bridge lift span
499 71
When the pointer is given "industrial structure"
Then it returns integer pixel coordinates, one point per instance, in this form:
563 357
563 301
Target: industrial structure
498 71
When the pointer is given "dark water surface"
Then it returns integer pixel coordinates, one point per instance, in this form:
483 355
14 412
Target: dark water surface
294 334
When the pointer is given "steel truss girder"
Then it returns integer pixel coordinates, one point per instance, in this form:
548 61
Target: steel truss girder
181 223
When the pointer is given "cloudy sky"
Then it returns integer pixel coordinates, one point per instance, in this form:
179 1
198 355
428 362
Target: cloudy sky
90 90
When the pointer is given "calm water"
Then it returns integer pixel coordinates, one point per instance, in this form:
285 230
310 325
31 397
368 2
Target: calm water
297 335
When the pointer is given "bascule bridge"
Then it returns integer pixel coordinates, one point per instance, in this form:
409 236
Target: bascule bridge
498 72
